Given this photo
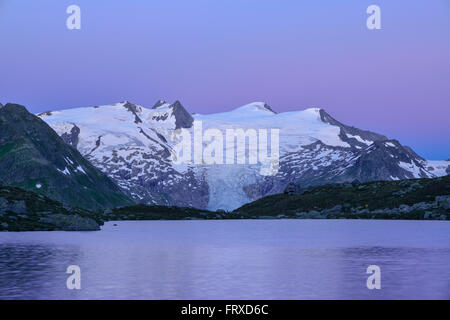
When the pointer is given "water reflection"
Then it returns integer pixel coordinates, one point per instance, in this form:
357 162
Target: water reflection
229 260
29 271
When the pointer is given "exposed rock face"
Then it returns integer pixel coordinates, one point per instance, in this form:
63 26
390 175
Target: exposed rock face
292 188
71 137
353 136
34 157
269 108
182 118
134 109
158 104
376 163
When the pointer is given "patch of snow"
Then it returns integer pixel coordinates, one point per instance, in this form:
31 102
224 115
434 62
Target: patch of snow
79 168
390 144
411 167
65 171
367 142
438 168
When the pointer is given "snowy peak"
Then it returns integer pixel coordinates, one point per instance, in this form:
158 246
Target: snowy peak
253 114
263 106
134 109
325 117
267 107
131 106
182 118
159 103
255 108
173 114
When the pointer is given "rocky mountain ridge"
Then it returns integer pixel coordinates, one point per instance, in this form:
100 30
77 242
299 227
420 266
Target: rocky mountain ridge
133 146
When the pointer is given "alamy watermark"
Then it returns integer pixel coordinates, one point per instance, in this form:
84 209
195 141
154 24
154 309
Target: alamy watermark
374 20
74 280
74 20
237 146
374 280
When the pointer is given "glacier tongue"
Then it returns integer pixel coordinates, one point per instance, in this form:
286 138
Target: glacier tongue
226 186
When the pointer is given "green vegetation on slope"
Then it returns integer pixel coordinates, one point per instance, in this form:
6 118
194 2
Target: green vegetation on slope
405 199
145 212
22 210
33 157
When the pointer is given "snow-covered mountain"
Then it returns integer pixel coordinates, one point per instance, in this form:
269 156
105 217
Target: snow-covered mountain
134 145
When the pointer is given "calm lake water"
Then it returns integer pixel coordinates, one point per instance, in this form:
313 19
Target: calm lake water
239 259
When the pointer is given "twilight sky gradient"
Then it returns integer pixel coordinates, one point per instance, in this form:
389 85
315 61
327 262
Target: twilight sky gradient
215 55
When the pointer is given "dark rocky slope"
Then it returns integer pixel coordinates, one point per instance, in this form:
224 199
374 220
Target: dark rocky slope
406 199
35 158
22 210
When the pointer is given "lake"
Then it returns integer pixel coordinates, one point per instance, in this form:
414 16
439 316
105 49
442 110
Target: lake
231 259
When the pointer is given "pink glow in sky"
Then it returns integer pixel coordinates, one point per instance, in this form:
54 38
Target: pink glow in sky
217 55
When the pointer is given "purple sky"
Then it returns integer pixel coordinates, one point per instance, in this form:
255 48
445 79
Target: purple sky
217 55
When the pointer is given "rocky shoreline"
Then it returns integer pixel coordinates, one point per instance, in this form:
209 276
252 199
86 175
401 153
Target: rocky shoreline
415 199
22 210
436 210
419 199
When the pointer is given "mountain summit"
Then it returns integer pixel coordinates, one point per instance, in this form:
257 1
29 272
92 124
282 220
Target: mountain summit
182 118
158 104
255 107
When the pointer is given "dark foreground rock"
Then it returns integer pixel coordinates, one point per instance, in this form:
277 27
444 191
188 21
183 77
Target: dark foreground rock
71 222
415 199
22 210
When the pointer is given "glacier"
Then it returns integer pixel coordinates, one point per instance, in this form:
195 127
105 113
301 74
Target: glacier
132 144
